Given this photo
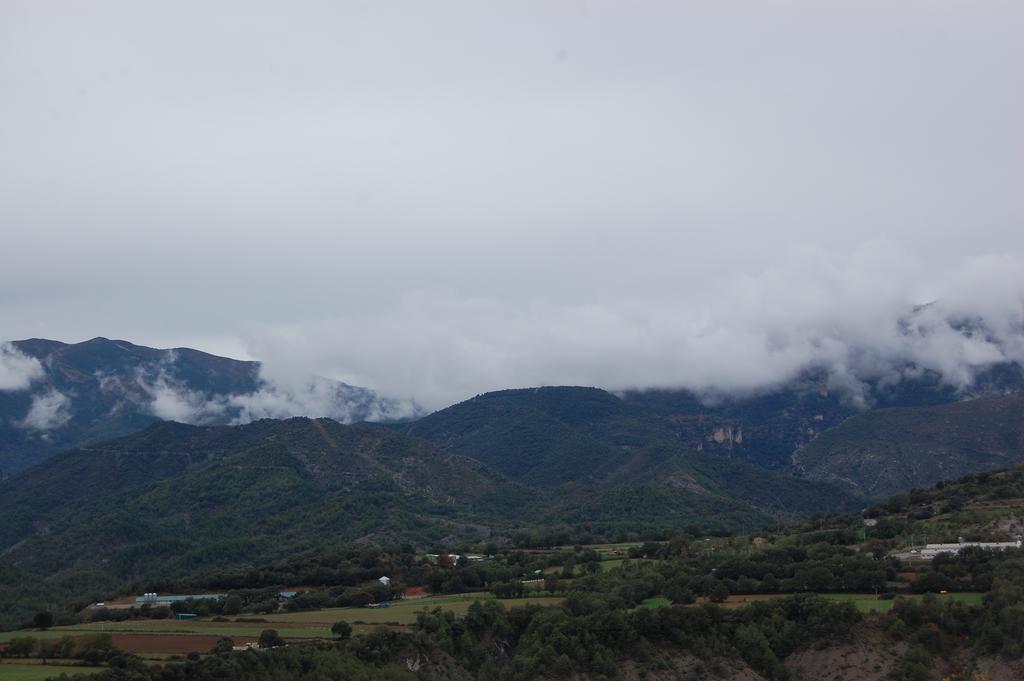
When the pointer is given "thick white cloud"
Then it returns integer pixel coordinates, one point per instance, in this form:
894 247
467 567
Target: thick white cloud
49 410
171 401
316 397
853 316
17 370
280 394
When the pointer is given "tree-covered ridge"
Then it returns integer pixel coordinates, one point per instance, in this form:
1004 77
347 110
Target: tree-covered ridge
882 452
767 426
177 500
547 437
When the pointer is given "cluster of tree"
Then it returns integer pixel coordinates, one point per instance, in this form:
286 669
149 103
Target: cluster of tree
310 662
92 649
590 533
330 565
592 633
785 569
971 569
950 496
933 627
589 633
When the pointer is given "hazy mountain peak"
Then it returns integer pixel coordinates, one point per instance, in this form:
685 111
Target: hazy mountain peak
55 394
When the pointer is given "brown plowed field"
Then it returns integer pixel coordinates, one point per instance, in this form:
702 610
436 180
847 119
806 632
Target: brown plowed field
416 592
172 643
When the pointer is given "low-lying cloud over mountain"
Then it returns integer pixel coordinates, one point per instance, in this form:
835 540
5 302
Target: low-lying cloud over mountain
58 395
879 314
49 410
154 388
273 396
17 371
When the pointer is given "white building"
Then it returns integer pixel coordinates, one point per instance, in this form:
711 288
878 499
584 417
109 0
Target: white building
929 551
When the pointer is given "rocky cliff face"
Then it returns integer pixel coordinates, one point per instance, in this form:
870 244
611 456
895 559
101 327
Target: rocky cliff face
727 435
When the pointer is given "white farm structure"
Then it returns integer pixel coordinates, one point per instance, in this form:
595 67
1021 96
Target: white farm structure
929 551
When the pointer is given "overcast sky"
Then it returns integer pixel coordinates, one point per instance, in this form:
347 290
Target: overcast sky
439 198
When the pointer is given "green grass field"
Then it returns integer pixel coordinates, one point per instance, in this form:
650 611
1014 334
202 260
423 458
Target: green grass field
865 603
404 612
38 672
609 549
6 636
871 603
191 627
606 565
655 602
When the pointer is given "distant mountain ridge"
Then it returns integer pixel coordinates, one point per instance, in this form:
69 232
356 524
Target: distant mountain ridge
885 451
768 426
86 392
76 394
556 436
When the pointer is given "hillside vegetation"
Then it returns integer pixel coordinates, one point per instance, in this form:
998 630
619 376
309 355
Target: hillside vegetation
767 426
101 389
546 437
881 452
177 500
822 599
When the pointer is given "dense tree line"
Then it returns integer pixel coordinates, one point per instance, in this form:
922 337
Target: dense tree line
934 628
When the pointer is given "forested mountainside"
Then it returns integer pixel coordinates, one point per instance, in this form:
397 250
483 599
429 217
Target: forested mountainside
76 394
548 436
884 451
768 426
175 500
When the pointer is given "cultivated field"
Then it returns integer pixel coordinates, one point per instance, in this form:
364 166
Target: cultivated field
870 603
863 602
36 672
160 639
403 612
172 637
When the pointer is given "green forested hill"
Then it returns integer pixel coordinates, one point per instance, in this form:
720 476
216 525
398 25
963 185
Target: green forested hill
548 437
881 452
767 426
178 500
175 498
541 436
